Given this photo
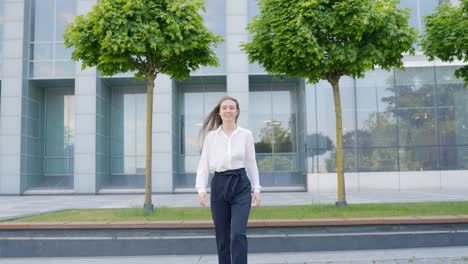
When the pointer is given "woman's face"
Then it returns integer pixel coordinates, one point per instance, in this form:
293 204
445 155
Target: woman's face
228 111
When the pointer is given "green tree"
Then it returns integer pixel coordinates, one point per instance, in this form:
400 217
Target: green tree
274 138
146 36
328 39
446 35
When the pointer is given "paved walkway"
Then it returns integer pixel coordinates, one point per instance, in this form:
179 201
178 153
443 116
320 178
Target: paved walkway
18 206
420 255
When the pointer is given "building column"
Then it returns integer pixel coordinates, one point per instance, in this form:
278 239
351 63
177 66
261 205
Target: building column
14 76
237 65
161 163
85 121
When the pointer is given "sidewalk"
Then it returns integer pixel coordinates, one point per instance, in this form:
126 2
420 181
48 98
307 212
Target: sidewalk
19 206
419 255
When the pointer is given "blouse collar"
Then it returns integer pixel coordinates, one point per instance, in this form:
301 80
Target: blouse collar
233 132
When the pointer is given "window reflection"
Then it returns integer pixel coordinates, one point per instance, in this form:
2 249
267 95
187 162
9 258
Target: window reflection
406 120
47 49
197 97
215 20
59 134
128 137
419 10
418 159
272 120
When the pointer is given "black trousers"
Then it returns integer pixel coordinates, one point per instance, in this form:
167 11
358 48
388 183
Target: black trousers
230 207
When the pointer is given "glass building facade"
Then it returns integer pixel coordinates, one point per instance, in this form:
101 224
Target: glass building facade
67 130
413 120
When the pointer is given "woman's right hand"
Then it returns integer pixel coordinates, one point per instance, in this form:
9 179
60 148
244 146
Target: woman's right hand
202 199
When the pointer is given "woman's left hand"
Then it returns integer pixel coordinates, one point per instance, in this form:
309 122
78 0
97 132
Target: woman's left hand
256 199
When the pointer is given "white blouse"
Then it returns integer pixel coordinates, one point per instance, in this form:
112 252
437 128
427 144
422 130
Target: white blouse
221 153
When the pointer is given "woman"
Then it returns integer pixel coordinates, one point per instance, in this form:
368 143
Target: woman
228 151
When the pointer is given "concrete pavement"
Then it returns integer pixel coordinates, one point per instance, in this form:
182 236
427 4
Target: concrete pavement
419 255
19 206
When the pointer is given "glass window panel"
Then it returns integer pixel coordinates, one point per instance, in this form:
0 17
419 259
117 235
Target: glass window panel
264 162
62 53
282 100
213 17
413 6
41 51
140 123
117 123
59 131
1 33
43 20
64 69
191 163
416 127
326 124
448 86
453 158
453 124
283 129
129 129
378 129
285 162
192 126
129 165
261 130
54 125
55 166
375 90
117 164
349 161
215 20
198 96
426 7
40 69
65 13
378 159
140 164
262 105
310 108
418 159
253 9
414 87
191 101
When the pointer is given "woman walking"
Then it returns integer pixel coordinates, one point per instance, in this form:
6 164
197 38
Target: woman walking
228 151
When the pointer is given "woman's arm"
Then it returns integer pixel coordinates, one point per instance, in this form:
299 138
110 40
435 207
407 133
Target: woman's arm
203 168
251 164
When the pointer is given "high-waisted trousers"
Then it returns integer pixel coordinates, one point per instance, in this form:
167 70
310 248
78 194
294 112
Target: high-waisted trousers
230 207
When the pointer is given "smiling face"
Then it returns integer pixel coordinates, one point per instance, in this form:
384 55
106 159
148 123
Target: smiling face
228 111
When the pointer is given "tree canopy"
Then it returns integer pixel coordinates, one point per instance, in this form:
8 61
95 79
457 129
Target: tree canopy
446 35
328 39
147 36
313 39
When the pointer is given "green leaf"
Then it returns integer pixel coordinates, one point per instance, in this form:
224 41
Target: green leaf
148 37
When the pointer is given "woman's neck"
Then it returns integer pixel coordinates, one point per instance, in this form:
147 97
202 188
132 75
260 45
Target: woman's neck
229 126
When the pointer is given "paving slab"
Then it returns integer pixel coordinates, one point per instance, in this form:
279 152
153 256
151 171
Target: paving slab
401 256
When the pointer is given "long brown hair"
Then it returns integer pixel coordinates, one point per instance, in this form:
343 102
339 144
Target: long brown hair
213 120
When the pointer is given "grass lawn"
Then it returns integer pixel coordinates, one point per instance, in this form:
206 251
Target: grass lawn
266 212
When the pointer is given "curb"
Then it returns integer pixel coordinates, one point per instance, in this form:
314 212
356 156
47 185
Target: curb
199 224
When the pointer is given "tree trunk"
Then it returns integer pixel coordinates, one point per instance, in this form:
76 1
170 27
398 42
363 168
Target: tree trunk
339 142
148 206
